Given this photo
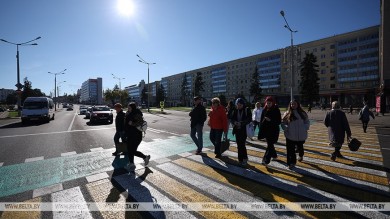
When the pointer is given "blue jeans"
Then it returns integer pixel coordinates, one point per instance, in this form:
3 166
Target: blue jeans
215 138
197 136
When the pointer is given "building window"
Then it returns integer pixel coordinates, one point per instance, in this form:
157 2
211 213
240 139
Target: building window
323 56
322 63
322 48
332 62
332 46
332 86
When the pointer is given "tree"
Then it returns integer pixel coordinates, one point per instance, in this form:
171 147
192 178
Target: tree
198 84
222 98
255 88
309 85
12 98
29 92
160 96
109 96
184 90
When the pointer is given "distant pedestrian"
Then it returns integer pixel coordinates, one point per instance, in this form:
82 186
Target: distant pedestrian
229 111
338 125
134 118
309 108
240 118
198 117
120 127
256 116
295 123
218 125
350 109
270 121
364 116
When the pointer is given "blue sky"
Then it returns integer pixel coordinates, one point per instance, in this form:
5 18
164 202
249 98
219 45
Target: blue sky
92 38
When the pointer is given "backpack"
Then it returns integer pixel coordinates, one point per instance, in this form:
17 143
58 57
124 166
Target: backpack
143 127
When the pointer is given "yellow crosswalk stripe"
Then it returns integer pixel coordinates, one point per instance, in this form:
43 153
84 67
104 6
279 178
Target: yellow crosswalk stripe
183 193
264 192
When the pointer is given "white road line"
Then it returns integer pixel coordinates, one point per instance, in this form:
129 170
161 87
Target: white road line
33 159
73 195
47 190
49 133
71 124
97 177
96 149
68 153
1 164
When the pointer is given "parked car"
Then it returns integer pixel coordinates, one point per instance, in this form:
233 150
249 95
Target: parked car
83 110
101 114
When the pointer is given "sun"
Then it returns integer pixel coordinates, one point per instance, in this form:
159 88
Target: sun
126 7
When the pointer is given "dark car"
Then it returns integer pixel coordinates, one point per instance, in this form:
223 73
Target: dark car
88 113
101 114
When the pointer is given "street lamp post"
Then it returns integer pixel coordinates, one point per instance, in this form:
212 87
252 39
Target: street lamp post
55 85
147 63
58 89
292 51
120 88
19 86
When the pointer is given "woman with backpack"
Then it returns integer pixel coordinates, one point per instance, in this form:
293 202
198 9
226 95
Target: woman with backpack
133 119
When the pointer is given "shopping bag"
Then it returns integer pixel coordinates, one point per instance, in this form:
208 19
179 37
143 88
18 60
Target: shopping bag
122 147
225 143
250 130
354 144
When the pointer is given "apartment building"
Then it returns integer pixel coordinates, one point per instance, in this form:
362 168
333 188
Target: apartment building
92 91
348 71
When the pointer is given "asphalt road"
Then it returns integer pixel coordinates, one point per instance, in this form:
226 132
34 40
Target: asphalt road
71 132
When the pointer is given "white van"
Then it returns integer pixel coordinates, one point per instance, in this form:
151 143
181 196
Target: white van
37 108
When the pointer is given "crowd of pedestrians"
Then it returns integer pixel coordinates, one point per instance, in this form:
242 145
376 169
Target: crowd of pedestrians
268 120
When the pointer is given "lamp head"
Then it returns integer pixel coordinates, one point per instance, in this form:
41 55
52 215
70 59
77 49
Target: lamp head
38 38
282 13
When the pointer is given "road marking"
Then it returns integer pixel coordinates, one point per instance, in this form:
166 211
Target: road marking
96 149
1 164
71 124
73 195
185 154
33 159
50 133
68 153
97 177
47 190
162 160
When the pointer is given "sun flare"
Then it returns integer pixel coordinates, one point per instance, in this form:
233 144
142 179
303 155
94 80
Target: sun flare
126 7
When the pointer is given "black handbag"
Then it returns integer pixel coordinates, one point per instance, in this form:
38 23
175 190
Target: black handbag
354 144
225 144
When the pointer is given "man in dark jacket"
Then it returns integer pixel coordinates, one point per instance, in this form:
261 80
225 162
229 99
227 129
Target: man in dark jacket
338 125
120 127
198 117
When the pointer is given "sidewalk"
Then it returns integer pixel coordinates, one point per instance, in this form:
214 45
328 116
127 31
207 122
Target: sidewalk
4 115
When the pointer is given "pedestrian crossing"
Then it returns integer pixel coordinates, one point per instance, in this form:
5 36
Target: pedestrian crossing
359 177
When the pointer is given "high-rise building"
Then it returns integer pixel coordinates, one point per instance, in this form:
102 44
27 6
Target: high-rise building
92 92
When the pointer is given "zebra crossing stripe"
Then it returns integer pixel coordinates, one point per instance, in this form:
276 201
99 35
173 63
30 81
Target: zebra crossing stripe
23 214
184 193
260 191
312 189
104 191
321 168
72 195
139 190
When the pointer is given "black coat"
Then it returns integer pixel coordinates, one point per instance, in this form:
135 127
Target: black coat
245 120
270 129
120 121
338 125
198 115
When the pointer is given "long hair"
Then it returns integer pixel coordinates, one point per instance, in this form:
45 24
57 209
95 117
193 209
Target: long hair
290 116
271 99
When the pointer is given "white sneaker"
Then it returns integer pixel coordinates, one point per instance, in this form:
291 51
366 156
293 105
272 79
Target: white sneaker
130 167
146 160
300 159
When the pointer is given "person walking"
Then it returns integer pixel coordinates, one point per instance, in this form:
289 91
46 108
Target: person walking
240 118
256 116
270 121
309 108
198 117
364 116
134 118
338 125
295 123
218 125
120 128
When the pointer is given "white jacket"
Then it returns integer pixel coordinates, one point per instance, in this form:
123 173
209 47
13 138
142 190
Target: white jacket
296 130
256 114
